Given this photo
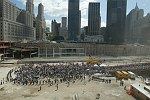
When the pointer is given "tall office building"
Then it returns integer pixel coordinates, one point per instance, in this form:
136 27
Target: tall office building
16 24
94 19
40 15
55 28
73 20
131 32
64 22
63 29
40 24
116 17
138 27
30 6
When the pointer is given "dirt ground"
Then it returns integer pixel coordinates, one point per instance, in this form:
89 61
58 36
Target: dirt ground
81 90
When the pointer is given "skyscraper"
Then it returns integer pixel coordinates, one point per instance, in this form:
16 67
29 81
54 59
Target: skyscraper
64 22
40 15
63 29
116 17
30 6
94 19
55 28
30 9
40 24
131 22
73 20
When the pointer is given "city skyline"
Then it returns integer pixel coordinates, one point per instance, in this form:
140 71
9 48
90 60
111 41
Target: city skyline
57 9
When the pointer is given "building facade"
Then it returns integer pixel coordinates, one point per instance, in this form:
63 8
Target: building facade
94 38
94 19
15 24
138 27
133 16
73 20
116 17
142 29
93 49
40 24
64 22
63 29
30 6
55 28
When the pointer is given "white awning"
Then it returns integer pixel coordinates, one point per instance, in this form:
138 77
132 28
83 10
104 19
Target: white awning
103 65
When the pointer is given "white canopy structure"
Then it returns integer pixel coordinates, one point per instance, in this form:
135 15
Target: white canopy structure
103 65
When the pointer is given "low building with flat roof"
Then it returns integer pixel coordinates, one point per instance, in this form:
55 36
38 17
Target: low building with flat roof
141 91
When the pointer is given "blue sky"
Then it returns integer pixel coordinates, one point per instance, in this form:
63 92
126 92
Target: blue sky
55 9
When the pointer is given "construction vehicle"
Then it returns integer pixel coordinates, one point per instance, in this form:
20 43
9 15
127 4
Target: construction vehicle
125 75
93 61
131 75
122 75
119 74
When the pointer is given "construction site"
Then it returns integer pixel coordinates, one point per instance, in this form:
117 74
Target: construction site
104 72
97 88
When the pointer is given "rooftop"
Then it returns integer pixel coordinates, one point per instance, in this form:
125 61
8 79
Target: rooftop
140 87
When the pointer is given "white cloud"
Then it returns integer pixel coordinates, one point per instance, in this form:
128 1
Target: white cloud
103 24
84 22
48 23
58 8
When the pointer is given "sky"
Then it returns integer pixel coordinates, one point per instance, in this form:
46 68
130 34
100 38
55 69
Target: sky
55 9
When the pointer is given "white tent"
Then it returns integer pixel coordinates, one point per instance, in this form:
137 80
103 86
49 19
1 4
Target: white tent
103 65
95 65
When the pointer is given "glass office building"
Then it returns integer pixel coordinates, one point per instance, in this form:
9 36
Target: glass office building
73 20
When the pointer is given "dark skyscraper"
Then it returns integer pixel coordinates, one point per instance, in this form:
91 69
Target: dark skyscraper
94 18
116 17
73 20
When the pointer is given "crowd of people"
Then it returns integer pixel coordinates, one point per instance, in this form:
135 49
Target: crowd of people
32 74
131 67
50 73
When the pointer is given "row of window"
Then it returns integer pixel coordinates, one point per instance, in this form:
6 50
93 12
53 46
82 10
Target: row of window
12 29
1 30
9 11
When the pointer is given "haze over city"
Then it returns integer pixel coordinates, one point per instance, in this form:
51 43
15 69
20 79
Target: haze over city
55 9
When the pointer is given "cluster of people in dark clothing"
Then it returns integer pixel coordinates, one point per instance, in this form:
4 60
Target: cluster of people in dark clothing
36 74
101 79
138 66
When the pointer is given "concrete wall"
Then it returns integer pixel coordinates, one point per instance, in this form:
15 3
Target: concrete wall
94 49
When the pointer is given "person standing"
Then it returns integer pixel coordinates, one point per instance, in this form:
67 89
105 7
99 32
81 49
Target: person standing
40 88
56 86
